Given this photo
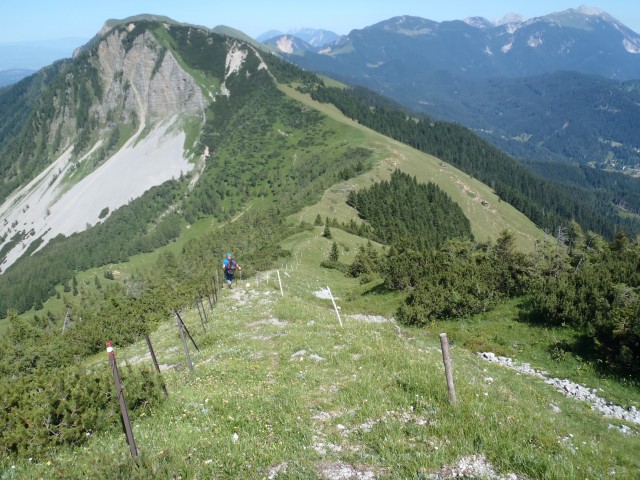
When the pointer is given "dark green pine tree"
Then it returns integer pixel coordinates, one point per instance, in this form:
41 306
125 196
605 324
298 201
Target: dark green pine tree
334 254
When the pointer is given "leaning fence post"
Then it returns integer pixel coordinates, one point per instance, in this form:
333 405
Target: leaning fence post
184 342
123 405
197 305
155 363
206 319
448 370
280 283
184 326
335 307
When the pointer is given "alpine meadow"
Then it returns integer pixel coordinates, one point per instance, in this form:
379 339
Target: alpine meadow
363 230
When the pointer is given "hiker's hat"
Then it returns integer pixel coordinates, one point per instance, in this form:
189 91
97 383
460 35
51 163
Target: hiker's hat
228 254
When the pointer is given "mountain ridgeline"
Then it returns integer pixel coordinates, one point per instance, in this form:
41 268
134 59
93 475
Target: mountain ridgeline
254 144
226 144
560 87
249 144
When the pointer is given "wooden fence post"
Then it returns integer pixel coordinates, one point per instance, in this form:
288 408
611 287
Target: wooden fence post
197 304
155 363
448 369
206 319
184 326
206 292
214 292
123 404
184 342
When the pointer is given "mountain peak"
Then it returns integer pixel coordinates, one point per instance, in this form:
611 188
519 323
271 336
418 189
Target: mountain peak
590 10
406 25
509 19
288 44
148 17
315 37
478 22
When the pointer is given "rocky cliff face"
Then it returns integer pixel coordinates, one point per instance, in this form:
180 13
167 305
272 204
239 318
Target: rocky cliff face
146 80
129 78
109 126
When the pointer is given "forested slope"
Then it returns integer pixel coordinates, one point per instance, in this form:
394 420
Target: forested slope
548 204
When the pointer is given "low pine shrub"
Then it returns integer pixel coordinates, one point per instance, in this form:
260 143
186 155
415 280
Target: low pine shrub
50 408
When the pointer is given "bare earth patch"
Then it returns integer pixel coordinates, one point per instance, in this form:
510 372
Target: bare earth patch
474 466
344 471
370 318
274 322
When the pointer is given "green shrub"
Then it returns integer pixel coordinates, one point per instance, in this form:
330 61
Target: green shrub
428 303
342 267
50 408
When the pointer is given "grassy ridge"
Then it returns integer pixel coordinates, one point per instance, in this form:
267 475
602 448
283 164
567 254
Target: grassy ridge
487 219
278 385
488 216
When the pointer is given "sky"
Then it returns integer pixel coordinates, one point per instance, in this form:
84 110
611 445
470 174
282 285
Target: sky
27 20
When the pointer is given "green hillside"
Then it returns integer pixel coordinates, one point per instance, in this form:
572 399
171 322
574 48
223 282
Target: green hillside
549 204
282 387
273 146
487 214
281 390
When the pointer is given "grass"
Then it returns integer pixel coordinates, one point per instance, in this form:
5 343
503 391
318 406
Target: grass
487 214
278 382
506 331
122 272
279 385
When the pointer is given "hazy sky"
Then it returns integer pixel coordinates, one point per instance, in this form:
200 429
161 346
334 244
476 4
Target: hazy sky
52 19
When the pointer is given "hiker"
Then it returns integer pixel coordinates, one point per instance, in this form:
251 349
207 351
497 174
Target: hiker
229 265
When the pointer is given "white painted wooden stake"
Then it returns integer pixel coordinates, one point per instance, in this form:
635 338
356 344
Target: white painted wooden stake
280 283
335 307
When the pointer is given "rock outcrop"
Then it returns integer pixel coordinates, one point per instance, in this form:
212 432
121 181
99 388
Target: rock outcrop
145 79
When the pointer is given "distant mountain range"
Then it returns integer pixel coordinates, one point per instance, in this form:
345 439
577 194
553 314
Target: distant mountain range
313 37
502 79
7 77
